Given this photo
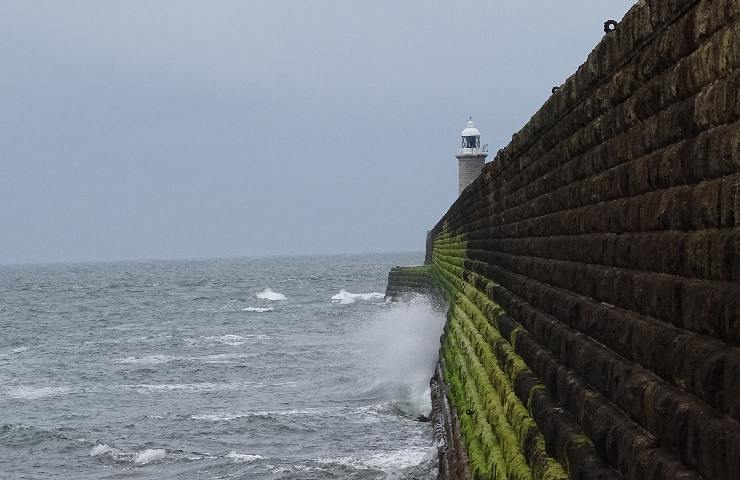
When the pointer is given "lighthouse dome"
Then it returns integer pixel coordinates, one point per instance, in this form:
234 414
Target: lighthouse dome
470 130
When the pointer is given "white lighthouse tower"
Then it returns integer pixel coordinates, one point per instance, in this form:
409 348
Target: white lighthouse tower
471 157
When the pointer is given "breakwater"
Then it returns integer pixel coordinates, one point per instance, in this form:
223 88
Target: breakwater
592 270
409 280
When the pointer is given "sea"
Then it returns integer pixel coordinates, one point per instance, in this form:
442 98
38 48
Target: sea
248 368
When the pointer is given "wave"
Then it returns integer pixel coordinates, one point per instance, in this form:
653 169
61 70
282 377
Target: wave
242 458
268 294
217 417
222 358
228 416
390 412
149 360
258 309
29 392
140 458
5 353
345 298
216 358
103 449
195 458
234 340
386 461
186 387
21 434
126 327
150 455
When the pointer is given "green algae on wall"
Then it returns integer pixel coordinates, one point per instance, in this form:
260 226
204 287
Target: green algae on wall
502 438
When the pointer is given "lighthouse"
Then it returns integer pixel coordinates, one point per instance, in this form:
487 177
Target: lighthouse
470 157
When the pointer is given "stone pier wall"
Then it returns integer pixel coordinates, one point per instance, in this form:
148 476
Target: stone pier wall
409 281
592 271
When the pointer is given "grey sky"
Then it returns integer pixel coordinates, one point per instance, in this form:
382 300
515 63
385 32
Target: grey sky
225 128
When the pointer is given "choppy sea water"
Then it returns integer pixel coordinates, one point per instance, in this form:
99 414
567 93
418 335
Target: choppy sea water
272 368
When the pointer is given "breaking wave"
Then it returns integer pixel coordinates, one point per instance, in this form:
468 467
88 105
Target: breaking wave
258 309
234 340
345 298
28 392
241 458
140 458
186 387
150 455
104 448
216 358
268 294
228 416
387 461
149 360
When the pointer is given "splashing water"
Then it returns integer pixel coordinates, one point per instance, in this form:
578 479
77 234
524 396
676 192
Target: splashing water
346 298
268 294
402 345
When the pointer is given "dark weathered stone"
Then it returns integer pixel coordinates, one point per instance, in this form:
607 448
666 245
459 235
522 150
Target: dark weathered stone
602 245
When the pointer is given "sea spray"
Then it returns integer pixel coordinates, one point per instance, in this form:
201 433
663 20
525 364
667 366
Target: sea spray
269 294
401 346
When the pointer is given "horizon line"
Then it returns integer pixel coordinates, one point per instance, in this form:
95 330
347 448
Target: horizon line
197 258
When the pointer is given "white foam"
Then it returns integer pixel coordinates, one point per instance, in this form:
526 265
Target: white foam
222 358
194 458
227 416
101 449
241 458
218 417
399 459
234 340
268 294
149 360
29 392
115 453
345 298
217 358
150 455
388 461
290 413
258 309
284 384
125 327
141 458
372 414
187 387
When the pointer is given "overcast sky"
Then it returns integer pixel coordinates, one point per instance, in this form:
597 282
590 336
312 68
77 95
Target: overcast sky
168 129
